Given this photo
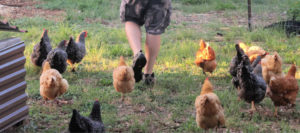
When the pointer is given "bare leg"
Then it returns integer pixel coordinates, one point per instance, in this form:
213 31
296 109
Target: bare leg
152 48
134 36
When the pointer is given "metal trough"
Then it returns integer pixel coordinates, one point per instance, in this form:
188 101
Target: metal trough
13 108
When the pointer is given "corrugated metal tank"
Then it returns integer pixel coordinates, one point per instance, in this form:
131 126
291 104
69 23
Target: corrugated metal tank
13 108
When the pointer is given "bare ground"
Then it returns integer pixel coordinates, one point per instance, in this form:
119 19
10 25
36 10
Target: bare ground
13 9
194 20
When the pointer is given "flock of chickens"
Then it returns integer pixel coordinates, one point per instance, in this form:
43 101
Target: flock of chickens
254 73
52 84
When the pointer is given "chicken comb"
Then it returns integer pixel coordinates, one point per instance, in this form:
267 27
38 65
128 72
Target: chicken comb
85 35
96 99
45 30
207 78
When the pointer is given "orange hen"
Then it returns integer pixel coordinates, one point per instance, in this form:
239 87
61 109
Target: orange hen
205 58
284 89
253 51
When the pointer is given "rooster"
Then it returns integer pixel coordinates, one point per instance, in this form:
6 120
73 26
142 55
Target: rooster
252 85
284 89
91 124
58 57
76 49
209 111
123 77
52 84
205 58
41 50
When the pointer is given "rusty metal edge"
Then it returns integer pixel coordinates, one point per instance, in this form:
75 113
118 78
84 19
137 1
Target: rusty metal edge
24 114
17 88
19 48
15 122
13 41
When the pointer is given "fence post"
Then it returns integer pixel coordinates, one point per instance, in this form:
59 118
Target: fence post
249 16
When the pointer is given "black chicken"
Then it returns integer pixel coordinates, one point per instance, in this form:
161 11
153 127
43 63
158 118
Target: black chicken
58 57
41 50
76 50
252 85
91 124
236 60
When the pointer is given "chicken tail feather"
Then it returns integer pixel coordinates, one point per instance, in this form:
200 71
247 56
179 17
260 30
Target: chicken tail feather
122 61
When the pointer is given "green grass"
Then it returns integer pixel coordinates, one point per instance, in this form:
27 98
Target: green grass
169 107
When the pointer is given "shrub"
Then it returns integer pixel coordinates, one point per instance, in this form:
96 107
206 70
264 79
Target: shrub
294 11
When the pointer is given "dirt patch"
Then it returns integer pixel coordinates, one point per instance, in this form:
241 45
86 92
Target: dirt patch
13 9
197 20
18 3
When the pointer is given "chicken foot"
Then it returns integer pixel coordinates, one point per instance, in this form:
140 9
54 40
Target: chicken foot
72 65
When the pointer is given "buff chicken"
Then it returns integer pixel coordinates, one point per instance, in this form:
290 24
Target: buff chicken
271 66
52 84
209 111
123 78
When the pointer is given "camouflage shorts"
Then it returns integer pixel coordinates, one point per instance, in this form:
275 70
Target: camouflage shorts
155 14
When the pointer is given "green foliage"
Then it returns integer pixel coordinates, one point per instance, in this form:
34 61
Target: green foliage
294 11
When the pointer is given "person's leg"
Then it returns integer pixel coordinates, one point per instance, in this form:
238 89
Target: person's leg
151 50
134 36
157 18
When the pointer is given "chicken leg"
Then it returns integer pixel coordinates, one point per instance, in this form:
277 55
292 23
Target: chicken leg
238 89
203 72
253 109
275 112
122 97
70 62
